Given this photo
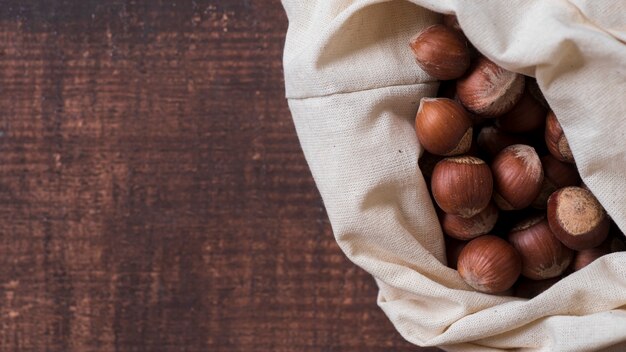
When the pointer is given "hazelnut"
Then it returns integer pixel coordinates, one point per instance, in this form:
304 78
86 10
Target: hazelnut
468 228
488 89
613 243
560 174
543 255
462 185
587 256
556 140
556 174
453 249
527 115
577 219
441 52
443 127
491 140
517 176
489 264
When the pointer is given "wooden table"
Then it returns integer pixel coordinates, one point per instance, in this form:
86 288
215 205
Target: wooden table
154 194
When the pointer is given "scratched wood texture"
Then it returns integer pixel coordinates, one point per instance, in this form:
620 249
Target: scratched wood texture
153 194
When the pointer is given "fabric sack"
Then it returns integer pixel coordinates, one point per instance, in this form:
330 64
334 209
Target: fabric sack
353 89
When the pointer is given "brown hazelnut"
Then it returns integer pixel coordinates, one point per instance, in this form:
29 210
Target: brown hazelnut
453 250
587 256
556 174
491 140
462 185
517 177
556 140
441 52
527 115
443 127
543 255
613 243
577 219
468 228
489 264
488 89
559 173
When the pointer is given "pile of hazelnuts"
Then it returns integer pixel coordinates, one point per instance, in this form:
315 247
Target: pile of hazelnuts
510 201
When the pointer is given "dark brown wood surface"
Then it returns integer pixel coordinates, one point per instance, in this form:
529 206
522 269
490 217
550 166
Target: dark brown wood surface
154 195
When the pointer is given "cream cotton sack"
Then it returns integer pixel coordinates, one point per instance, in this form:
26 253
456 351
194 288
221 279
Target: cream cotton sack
354 88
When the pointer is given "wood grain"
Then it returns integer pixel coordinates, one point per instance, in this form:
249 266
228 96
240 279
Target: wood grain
154 196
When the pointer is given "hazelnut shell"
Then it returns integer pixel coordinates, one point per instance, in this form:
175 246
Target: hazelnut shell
556 141
469 228
517 176
587 256
462 185
443 127
559 173
488 89
441 52
543 255
489 264
577 219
